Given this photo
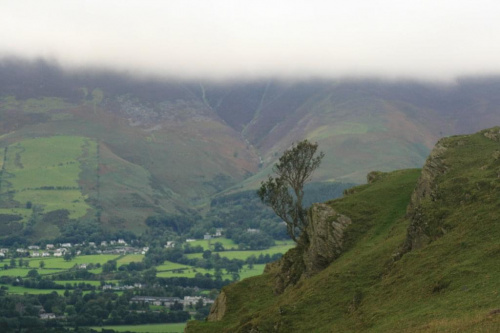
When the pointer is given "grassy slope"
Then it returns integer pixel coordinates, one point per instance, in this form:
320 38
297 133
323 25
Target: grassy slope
56 162
450 285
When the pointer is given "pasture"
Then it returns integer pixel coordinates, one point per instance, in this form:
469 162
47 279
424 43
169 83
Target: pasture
280 247
46 172
208 244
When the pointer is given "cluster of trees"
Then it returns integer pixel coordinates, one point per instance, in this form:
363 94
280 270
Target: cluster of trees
75 309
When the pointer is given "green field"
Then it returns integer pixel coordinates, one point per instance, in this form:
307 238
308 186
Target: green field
152 328
60 263
191 272
168 265
23 290
22 272
208 244
23 212
46 172
280 247
130 258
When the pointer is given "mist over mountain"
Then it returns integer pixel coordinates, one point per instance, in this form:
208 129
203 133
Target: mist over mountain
172 145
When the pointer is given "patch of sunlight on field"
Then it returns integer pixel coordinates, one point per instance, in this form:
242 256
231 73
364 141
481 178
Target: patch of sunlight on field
168 265
130 258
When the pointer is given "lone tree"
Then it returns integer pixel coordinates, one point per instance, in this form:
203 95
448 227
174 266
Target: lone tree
285 192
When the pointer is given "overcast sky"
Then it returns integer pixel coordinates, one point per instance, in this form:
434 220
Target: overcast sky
228 39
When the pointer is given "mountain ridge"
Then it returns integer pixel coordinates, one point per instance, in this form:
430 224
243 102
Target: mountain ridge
185 142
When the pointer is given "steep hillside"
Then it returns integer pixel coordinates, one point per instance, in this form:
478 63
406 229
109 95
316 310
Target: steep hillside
419 253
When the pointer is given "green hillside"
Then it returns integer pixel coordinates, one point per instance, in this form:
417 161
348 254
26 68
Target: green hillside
153 147
428 266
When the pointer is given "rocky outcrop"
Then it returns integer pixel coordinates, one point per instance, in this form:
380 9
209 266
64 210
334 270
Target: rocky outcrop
320 244
492 134
326 231
218 309
426 189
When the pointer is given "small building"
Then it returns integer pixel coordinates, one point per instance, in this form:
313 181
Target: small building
34 247
49 246
192 300
104 243
2 255
190 240
112 242
45 254
4 250
21 250
66 245
253 231
169 244
45 316
121 241
91 244
165 301
35 254
207 236
218 232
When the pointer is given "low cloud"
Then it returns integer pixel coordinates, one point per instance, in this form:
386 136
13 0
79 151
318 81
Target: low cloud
434 40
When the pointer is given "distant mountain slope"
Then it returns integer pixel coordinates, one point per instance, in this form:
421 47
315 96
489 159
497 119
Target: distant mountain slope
419 254
171 146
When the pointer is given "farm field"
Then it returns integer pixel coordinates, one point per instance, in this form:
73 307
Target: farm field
46 176
208 244
152 328
60 263
22 290
22 272
129 258
280 247
190 272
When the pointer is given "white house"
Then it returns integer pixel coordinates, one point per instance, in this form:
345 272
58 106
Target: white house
47 316
34 247
35 254
66 245
207 236
45 254
121 241
49 246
